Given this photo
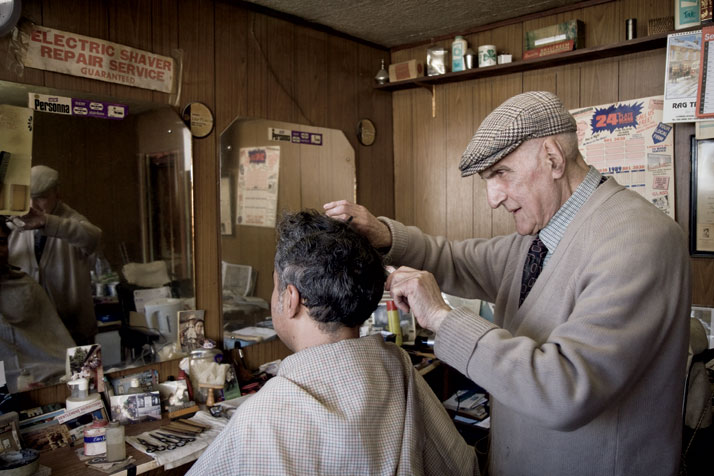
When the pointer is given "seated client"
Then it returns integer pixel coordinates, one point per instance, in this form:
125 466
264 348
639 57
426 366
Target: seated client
340 404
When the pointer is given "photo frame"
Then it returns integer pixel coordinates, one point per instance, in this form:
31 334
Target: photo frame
701 222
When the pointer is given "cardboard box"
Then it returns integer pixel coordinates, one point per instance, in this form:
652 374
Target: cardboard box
660 25
551 49
405 70
569 30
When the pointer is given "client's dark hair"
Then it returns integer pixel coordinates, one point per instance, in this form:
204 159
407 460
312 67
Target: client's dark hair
339 275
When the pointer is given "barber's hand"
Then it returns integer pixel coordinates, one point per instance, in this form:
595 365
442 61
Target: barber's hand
417 291
34 219
363 222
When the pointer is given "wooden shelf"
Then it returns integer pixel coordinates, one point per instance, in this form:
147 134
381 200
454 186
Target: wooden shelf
586 54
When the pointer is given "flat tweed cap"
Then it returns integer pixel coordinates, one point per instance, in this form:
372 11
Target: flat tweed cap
42 178
523 117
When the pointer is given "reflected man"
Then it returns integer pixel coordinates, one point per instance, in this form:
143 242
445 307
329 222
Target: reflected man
55 246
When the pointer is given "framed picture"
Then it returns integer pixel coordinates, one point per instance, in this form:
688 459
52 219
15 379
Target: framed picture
701 222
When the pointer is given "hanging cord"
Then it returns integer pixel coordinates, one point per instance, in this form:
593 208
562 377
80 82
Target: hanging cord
273 73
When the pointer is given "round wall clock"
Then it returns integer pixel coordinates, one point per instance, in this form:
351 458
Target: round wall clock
366 132
198 118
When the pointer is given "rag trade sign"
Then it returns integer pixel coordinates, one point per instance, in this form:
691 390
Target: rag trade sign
78 55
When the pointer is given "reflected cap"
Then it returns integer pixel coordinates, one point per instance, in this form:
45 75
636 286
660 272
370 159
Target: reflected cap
523 117
42 179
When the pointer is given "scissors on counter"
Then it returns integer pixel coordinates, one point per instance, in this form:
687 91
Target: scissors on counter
170 445
181 440
150 447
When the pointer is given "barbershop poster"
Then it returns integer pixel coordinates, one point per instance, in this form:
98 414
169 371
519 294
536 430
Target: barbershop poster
257 191
628 141
78 55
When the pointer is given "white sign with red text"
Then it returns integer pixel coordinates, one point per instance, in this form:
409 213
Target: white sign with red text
78 55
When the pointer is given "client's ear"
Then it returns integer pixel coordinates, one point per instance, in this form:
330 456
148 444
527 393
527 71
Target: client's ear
292 297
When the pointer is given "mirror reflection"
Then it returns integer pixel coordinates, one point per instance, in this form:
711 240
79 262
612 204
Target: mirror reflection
266 167
111 215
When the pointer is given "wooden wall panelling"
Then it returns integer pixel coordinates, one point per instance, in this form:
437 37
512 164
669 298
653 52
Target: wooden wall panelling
503 88
642 11
540 80
599 82
85 17
232 45
602 24
482 215
277 43
375 163
164 34
340 87
508 39
32 11
459 129
130 24
567 85
404 167
642 75
259 78
430 161
310 52
195 28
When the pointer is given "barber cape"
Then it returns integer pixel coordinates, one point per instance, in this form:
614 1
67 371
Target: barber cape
353 407
32 336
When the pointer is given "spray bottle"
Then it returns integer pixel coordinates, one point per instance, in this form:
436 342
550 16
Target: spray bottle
393 321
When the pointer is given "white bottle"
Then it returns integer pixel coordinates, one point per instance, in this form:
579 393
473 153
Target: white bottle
116 449
458 49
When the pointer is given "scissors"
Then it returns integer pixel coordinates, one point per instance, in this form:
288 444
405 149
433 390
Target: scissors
170 445
150 447
181 439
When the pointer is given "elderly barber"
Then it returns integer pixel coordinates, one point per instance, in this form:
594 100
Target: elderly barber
55 246
585 360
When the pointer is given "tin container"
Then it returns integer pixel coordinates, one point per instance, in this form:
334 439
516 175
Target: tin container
95 439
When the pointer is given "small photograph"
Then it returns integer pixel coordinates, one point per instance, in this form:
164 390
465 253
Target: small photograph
147 381
86 362
136 407
191 330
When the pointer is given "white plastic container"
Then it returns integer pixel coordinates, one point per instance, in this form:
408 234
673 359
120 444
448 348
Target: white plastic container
458 49
116 448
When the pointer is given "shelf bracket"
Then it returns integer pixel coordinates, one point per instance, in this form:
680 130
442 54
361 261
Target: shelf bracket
431 88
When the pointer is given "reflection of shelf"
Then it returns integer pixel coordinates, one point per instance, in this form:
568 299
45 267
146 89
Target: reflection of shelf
637 45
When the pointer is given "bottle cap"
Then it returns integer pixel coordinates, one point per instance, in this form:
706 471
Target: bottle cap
391 306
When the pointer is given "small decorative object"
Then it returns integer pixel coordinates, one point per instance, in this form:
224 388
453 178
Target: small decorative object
660 25
382 76
631 28
436 60
504 58
458 49
366 132
198 118
469 58
486 55
405 70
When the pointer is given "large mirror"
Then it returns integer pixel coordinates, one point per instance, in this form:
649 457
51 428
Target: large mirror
131 178
267 167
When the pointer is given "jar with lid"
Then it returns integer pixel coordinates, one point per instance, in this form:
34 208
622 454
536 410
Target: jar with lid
116 449
95 438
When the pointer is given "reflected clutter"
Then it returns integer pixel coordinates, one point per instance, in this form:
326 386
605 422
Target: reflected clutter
131 178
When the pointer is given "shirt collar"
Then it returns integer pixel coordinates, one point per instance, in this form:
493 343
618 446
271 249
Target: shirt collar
555 229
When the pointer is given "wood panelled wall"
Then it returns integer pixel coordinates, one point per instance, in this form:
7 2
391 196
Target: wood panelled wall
429 190
239 63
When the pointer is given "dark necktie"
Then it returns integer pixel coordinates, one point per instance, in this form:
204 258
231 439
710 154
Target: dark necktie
532 268
534 263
